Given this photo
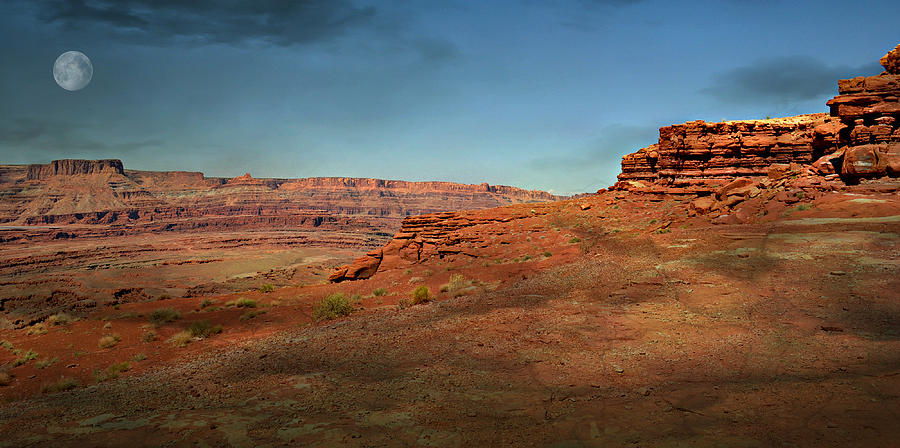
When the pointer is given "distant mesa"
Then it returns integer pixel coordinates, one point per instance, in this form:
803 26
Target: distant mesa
71 167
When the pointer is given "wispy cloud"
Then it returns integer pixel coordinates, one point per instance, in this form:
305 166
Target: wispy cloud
156 22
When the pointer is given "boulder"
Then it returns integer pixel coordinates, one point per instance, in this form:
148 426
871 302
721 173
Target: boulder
740 187
703 204
861 161
829 163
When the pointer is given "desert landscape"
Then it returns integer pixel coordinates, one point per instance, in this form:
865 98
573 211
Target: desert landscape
329 223
736 287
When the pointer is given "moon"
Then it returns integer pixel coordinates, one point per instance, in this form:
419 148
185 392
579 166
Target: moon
73 70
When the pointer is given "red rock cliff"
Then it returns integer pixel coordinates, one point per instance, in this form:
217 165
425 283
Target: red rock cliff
860 138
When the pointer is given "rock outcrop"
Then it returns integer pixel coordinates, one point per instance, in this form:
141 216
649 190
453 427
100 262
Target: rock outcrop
859 139
698 157
434 235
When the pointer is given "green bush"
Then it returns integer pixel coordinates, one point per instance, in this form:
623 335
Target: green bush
205 303
164 315
332 306
421 295
378 292
575 239
27 356
44 363
267 287
204 329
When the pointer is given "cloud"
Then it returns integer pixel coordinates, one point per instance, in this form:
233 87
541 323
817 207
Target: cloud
782 80
154 22
36 135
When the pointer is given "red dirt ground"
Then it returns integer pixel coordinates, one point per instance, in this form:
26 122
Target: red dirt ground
628 323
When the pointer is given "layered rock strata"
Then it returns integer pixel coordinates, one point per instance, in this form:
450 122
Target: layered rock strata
423 237
859 139
102 193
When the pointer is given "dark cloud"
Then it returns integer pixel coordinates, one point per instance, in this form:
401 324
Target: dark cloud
157 22
38 135
782 80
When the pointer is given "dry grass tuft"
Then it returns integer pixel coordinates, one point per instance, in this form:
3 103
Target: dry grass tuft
109 340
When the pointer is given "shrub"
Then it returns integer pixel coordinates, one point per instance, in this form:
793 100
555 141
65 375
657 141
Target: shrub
182 338
164 315
64 384
378 292
266 287
5 379
109 340
7 345
421 295
242 303
43 364
251 314
204 329
60 319
26 356
149 336
37 329
332 306
112 372
548 254
457 282
205 303
139 357
575 239
526 257
803 207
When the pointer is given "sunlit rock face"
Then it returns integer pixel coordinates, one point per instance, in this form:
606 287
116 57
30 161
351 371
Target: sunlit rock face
860 138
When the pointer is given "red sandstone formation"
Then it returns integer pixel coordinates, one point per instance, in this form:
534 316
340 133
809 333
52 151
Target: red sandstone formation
426 236
860 139
67 192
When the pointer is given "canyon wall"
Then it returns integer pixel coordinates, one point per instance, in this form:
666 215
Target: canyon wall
103 193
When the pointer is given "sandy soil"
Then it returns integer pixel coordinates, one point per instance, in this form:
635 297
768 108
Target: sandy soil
629 323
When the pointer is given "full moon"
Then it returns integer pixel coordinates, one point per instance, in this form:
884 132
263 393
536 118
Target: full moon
73 70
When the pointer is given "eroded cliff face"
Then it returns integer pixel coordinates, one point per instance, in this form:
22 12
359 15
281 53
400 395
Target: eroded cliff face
859 139
102 192
698 157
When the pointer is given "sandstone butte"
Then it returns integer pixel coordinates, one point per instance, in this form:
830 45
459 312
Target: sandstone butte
720 164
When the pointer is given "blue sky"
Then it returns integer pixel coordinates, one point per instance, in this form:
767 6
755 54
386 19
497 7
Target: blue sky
536 94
